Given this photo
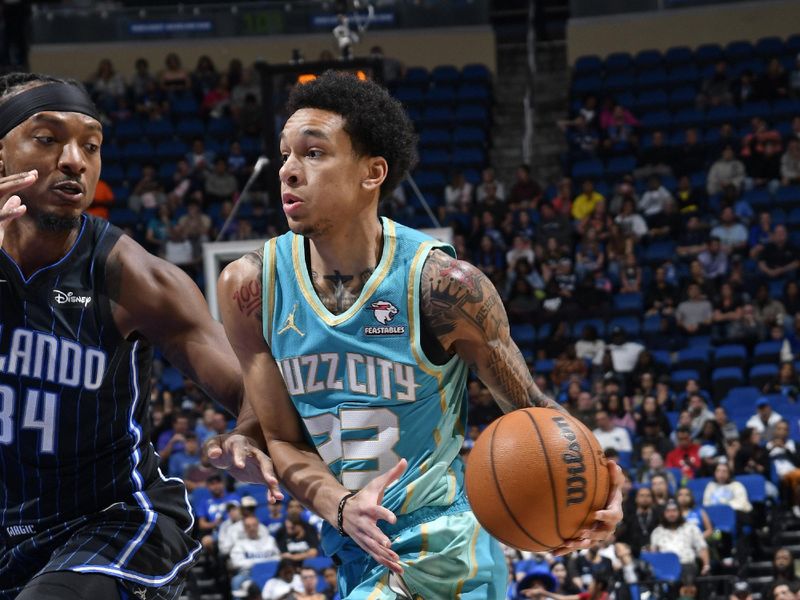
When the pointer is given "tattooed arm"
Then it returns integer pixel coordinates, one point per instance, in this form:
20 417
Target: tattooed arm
154 299
462 308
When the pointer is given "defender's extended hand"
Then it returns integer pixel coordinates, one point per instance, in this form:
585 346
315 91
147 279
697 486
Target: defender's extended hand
241 458
606 520
362 513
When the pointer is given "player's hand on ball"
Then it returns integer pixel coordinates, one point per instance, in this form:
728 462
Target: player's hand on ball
241 457
362 513
606 520
12 205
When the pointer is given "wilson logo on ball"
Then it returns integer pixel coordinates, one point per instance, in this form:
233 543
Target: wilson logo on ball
573 458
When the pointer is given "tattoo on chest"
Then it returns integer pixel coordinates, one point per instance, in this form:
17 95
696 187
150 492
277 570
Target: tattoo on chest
339 292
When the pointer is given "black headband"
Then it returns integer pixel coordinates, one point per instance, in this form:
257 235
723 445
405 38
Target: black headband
62 97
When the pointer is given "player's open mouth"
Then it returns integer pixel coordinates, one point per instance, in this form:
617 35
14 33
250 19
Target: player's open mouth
291 204
69 190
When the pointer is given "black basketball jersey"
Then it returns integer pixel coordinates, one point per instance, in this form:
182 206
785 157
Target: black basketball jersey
73 394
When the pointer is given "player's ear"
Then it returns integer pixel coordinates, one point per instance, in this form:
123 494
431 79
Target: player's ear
377 169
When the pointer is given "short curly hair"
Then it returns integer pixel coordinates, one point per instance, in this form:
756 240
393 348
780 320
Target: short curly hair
376 123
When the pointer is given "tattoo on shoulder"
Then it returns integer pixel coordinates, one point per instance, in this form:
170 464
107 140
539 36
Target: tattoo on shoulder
248 295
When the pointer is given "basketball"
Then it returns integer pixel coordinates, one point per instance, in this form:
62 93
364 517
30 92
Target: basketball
535 477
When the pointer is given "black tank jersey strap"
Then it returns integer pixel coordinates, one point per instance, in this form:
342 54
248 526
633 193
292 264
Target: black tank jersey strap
107 236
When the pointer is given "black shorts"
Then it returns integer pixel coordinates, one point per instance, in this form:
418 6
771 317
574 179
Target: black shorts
140 543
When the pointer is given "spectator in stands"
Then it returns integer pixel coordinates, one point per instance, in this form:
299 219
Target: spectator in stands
585 202
727 427
714 260
589 568
661 296
525 188
700 414
655 468
779 257
668 223
630 276
675 534
726 171
727 309
250 117
744 88
708 462
637 525
765 419
255 547
685 456
174 78
331 590
785 461
488 179
211 511
659 484
753 142
590 347
180 461
783 591
240 90
654 199
204 77
731 233
619 130
178 250
655 159
148 192
625 189
790 163
624 353
220 185
752 457
309 578
562 202
199 158
286 581
691 156
107 86
215 102
457 193
773 83
764 169
760 234
749 329
631 223
689 199
693 240
225 536
723 489
715 90
582 140
768 310
783 568
693 513
234 530
693 315
297 539
610 436
568 366
141 78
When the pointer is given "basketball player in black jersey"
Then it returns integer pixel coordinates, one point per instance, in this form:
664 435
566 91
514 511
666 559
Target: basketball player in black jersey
84 510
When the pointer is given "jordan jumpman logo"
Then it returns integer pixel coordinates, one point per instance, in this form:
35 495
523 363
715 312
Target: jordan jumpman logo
290 323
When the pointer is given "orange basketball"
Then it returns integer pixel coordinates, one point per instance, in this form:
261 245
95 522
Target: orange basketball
535 477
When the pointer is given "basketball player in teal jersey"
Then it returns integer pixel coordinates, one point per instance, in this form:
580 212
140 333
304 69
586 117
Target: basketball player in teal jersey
370 327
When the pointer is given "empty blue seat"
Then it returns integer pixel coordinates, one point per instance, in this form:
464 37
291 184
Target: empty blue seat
409 95
651 100
588 64
435 137
620 165
692 358
760 375
653 78
793 218
190 127
730 355
788 196
630 303
445 74
588 169
678 55
767 352
698 487
722 517
757 198
172 150
125 217
112 174
688 117
183 104
159 128
768 47
479 73
754 109
659 252
739 50
647 59
683 74
665 565
472 92
138 151
656 120
630 325
756 486
785 108
680 377
468 114
523 334
662 357
724 379
708 53
543 366
587 84
717 115
469 157
469 136
221 127
429 179
682 96
618 81
262 572
618 61
441 94
166 171
417 76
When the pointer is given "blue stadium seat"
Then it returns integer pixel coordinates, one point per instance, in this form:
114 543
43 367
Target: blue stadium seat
682 75
129 129
654 78
469 157
756 487
198 497
666 565
722 517
768 47
698 487
717 115
758 198
631 325
112 173
262 572
760 375
618 61
739 51
472 114
617 82
598 324
318 563
159 129
749 110
688 117
725 379
788 196
166 170
409 95
172 150
660 119
171 378
190 127
620 165
662 357
435 138
659 252
793 219
647 59
650 100
447 74
692 358
588 169
767 352
588 64
682 97
731 355
110 151
479 73
418 76
475 93
441 94
469 136
133 173
785 108
429 179
708 53
121 194
434 157
524 335
183 104
778 218
630 303
543 366
680 377
678 55
221 128
138 151
587 85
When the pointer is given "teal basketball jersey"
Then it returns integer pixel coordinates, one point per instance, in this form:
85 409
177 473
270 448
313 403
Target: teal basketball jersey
367 394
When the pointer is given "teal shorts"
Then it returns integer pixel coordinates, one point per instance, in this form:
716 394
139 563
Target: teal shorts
450 557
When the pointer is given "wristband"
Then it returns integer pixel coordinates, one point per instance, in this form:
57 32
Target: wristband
340 513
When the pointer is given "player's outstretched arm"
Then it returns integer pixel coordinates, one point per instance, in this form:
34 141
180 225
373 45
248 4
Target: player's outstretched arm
155 299
297 464
464 311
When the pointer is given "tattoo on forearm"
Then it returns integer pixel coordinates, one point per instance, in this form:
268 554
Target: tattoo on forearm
459 302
